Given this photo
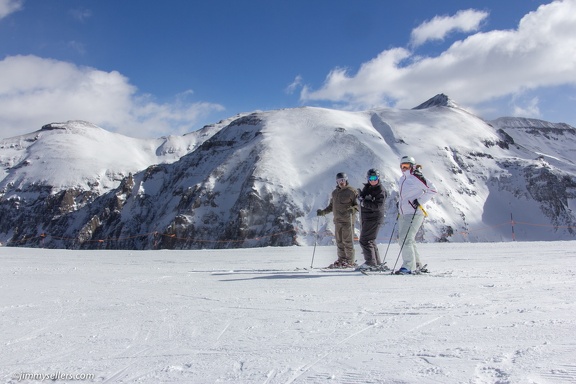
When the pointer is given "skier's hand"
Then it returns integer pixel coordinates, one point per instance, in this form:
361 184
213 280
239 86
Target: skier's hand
368 198
320 212
415 203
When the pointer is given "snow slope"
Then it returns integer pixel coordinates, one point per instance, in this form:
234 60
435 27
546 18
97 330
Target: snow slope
488 313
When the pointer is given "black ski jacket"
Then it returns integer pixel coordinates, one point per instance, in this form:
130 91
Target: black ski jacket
372 199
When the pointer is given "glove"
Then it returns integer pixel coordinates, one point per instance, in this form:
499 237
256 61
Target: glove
368 198
320 212
415 204
352 209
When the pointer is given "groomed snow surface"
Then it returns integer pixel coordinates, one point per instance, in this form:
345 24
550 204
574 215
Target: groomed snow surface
488 313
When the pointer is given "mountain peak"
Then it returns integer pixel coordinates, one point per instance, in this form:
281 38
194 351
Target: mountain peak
69 123
440 100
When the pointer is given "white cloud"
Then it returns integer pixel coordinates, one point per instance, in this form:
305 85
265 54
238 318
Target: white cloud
436 29
9 6
77 46
80 14
35 91
528 108
541 52
290 89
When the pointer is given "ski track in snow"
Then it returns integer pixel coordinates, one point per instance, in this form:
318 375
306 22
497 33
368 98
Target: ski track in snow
488 313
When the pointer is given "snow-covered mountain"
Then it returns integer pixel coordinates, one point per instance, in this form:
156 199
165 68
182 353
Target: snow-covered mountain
80 155
257 179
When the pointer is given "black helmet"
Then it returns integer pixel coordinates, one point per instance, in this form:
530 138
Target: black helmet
341 175
373 172
408 159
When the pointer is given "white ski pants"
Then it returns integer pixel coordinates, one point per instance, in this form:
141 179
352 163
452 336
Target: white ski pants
408 226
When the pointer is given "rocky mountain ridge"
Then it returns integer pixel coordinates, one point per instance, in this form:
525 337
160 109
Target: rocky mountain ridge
257 179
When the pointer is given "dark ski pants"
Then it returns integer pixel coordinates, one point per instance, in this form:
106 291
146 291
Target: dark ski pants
367 241
345 241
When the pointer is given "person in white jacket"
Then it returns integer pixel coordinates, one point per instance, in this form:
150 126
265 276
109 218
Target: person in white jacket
413 191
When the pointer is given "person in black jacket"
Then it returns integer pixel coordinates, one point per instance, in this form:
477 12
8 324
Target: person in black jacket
372 198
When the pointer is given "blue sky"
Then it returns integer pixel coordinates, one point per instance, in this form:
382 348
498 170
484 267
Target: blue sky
149 69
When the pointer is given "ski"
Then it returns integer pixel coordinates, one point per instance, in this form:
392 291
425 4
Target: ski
422 270
262 271
382 268
273 271
419 271
370 273
337 269
250 270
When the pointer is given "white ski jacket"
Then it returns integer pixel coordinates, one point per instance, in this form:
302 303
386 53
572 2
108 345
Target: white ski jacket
412 185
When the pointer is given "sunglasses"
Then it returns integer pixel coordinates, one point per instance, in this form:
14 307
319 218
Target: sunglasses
372 178
339 181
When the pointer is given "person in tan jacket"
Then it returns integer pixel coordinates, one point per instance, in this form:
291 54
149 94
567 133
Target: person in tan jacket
344 205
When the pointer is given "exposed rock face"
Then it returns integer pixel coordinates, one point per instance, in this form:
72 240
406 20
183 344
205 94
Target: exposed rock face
440 100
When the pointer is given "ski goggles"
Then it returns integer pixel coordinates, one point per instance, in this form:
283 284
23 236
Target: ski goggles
405 166
373 178
339 181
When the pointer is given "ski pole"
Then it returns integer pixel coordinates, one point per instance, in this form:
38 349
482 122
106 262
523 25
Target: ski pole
404 241
390 240
423 211
315 241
